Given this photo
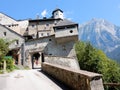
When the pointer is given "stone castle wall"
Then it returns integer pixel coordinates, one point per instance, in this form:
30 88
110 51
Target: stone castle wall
63 61
49 47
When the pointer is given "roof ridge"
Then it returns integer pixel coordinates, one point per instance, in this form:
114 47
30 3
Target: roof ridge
8 16
11 30
65 22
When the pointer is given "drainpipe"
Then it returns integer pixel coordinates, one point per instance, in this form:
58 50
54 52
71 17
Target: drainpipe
37 36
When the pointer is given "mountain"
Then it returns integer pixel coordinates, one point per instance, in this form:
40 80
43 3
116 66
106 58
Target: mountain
103 35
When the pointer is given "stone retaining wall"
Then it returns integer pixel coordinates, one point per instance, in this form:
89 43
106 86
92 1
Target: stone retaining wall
76 79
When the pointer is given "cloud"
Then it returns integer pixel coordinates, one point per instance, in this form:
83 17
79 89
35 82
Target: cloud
69 18
44 13
67 14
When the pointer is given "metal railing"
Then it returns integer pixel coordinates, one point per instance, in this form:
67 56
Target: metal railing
112 86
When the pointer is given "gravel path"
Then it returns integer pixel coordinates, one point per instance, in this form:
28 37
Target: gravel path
27 80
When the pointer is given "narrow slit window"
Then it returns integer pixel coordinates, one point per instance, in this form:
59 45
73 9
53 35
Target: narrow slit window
48 34
4 33
17 42
41 34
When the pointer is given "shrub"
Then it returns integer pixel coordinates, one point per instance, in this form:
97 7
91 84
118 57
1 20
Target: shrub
9 64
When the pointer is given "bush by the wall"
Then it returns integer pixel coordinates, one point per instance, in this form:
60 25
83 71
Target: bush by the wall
9 64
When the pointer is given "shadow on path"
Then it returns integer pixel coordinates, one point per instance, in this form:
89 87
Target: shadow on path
57 82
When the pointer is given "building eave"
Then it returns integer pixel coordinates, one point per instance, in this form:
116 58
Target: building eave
57 9
12 31
40 38
47 19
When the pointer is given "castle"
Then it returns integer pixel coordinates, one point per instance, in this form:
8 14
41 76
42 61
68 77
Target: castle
41 38
48 42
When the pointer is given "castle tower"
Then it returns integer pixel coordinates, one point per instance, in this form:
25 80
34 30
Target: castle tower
58 13
66 31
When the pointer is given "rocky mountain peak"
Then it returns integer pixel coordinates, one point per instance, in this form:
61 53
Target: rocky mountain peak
101 33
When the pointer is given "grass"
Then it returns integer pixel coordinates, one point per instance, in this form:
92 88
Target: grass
16 67
1 71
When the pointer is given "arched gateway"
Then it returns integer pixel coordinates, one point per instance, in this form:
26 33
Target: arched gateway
36 60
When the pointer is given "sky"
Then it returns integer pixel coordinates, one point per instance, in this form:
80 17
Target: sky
79 11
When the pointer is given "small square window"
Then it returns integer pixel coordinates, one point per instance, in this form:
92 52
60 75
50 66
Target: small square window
50 39
48 34
33 25
47 24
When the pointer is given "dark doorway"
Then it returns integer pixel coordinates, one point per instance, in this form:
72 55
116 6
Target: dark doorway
36 61
14 55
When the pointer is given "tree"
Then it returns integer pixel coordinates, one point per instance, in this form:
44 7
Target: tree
4 48
87 57
95 60
80 49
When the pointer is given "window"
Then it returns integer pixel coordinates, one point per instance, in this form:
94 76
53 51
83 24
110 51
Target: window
50 39
16 42
27 29
47 24
64 47
48 34
33 25
4 33
58 28
71 26
45 27
41 34
55 23
71 31
50 54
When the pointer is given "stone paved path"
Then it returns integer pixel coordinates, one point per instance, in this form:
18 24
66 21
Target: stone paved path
27 80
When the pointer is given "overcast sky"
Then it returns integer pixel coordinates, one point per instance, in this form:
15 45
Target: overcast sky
79 11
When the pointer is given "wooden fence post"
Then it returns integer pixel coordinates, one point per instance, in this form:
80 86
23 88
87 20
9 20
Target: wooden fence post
4 66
